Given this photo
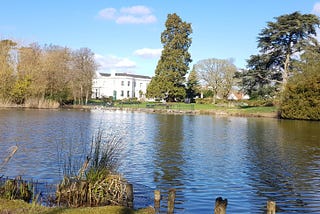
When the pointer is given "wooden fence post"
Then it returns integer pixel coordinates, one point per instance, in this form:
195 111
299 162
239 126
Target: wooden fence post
157 198
171 198
129 190
271 207
220 206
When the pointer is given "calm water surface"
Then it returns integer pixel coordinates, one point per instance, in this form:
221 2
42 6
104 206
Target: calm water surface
246 160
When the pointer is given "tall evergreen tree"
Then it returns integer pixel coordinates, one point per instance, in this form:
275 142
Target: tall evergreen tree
169 79
280 44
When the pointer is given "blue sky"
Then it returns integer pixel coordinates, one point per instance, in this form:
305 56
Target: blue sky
125 35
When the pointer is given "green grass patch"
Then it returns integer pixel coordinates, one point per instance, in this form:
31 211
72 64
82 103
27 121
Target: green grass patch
234 108
264 109
18 206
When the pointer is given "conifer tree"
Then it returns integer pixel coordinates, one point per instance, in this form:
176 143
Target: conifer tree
280 44
193 86
169 80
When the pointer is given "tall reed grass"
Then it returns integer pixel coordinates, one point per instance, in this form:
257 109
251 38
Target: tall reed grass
12 151
4 103
97 182
14 188
31 103
40 103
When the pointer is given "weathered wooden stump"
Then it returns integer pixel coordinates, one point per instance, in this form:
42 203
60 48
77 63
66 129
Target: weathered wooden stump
129 190
271 207
157 198
171 198
220 206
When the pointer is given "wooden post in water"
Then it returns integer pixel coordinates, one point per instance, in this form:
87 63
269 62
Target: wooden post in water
171 198
157 198
129 190
271 207
220 206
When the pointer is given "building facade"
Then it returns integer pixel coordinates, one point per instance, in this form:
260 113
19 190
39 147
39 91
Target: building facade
120 86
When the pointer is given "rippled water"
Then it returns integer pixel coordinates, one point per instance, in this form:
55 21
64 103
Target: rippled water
246 160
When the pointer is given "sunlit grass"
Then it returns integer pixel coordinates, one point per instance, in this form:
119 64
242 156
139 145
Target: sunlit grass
17 207
264 109
229 108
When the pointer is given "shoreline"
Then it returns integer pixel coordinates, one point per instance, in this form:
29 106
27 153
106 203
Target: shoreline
214 112
220 113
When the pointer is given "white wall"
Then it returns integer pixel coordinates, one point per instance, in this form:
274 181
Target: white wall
120 84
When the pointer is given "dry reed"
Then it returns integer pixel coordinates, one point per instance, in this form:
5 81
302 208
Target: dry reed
97 183
12 151
41 103
5 103
110 190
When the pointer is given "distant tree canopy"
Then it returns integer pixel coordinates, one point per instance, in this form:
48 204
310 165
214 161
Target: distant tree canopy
169 80
281 44
48 72
217 75
193 85
6 68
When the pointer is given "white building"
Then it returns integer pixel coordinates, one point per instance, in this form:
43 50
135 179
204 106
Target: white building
120 86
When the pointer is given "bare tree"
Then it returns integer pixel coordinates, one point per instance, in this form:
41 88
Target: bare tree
84 68
6 68
216 74
57 66
30 67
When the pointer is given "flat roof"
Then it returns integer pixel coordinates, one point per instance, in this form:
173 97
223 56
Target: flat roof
126 75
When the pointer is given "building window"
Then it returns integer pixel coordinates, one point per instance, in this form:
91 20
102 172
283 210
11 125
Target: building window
128 83
122 93
141 85
128 93
122 83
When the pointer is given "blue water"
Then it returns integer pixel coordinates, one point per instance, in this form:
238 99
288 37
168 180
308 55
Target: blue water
246 160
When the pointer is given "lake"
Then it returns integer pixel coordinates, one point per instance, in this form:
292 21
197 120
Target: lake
246 160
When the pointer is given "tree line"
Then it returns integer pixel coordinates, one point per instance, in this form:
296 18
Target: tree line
286 70
33 73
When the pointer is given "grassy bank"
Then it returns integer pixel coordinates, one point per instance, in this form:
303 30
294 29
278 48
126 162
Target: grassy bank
17 207
222 110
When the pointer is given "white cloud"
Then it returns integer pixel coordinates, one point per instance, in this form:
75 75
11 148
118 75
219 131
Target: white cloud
129 15
125 63
137 10
107 13
119 64
129 19
316 8
148 53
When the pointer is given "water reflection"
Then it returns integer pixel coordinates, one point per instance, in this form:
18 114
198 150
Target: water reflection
280 164
169 159
45 140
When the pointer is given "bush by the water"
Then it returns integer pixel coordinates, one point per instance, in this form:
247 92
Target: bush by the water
97 182
301 98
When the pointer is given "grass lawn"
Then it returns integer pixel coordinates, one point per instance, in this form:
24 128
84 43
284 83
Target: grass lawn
230 108
17 207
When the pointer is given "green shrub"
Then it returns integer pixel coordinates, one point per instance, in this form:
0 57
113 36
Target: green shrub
260 102
204 100
301 97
